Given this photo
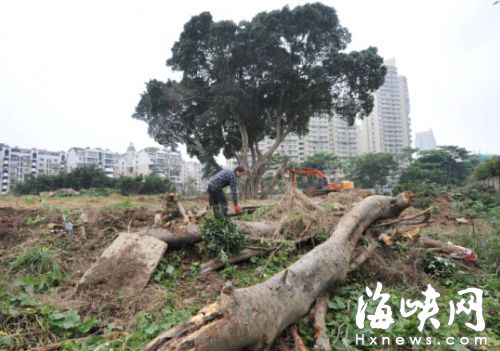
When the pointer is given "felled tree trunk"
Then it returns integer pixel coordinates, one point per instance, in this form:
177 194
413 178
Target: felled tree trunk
253 317
191 233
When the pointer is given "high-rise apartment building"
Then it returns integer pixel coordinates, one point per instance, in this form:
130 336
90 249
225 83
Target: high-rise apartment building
425 140
387 128
343 139
325 135
17 164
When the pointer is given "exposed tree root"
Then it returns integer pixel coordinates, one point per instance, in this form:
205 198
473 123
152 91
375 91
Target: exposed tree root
299 343
321 339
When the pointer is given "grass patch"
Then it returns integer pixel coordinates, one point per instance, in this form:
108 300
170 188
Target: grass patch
38 260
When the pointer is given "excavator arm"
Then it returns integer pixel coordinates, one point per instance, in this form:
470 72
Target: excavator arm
307 171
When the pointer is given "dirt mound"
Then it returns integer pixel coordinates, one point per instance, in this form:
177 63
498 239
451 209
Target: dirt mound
121 219
444 213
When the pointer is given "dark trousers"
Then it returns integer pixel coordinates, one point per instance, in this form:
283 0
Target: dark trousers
217 200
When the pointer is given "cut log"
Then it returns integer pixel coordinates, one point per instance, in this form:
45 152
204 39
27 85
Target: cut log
126 265
253 317
182 212
175 240
452 250
191 234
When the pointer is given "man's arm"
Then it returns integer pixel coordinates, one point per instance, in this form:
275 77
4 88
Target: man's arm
234 189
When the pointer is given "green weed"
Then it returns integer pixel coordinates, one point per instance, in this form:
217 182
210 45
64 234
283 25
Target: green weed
34 221
38 260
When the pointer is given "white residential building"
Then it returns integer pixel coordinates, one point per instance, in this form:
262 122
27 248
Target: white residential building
83 157
387 128
16 164
125 163
425 140
161 161
193 170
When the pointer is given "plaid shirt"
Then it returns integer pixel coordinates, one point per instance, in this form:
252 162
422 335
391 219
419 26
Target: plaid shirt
222 179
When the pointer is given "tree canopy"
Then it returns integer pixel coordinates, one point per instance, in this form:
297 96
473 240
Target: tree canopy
446 165
91 177
489 168
323 161
255 79
371 170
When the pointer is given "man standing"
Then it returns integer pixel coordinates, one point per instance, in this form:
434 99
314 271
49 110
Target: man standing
216 197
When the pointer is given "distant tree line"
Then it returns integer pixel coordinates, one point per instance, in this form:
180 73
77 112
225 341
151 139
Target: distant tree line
444 166
487 169
94 179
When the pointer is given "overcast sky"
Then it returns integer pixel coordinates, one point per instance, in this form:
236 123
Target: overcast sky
71 72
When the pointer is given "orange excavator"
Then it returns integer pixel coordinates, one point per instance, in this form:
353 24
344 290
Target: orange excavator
322 184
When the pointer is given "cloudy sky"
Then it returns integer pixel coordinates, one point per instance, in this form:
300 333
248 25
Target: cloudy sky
71 72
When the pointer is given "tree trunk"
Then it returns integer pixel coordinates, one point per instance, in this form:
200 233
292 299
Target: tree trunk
251 185
253 317
191 234
276 179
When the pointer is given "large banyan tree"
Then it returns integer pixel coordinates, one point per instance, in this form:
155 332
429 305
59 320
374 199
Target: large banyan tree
261 78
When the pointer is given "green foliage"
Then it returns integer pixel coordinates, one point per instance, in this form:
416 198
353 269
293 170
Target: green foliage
371 170
38 260
489 168
154 184
80 178
69 321
167 271
151 184
38 283
165 274
97 192
34 221
439 267
129 185
93 181
260 78
221 237
323 161
447 165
